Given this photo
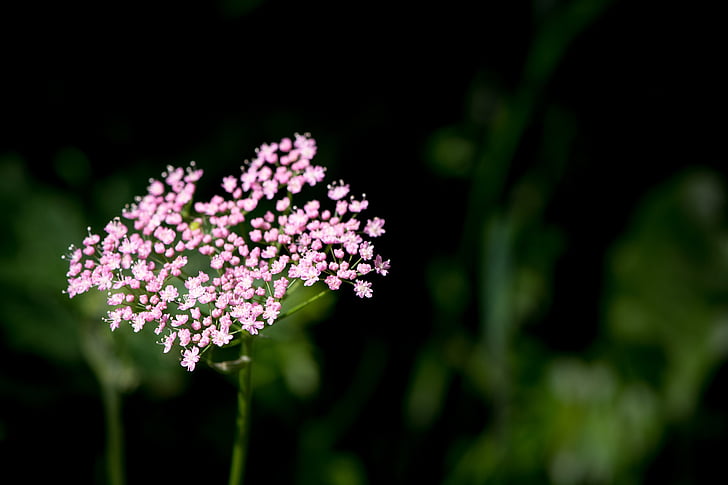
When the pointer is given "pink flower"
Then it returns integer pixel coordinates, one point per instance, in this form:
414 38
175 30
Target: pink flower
221 337
363 268
102 278
79 285
374 227
314 174
185 336
180 320
306 145
252 327
229 184
114 318
91 240
138 322
246 261
366 250
175 267
358 205
285 145
339 191
116 229
165 234
190 358
115 299
381 267
283 204
169 341
272 309
333 282
169 293
363 289
156 188
279 287
269 252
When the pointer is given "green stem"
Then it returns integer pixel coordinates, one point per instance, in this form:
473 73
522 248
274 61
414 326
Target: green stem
240 446
293 310
114 434
102 355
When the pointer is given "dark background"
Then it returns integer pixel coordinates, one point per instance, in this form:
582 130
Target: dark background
553 179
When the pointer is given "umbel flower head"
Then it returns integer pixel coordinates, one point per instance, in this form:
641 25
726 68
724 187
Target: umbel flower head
254 251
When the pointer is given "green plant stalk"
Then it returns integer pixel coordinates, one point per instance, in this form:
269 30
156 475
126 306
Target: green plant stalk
240 446
114 434
301 305
243 367
103 360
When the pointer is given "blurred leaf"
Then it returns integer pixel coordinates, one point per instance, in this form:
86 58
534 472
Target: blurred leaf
448 285
39 223
427 390
72 165
102 352
38 318
300 369
41 325
588 408
665 279
319 437
111 194
13 179
238 8
345 469
284 353
450 153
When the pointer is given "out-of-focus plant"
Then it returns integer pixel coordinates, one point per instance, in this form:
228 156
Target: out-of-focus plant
548 416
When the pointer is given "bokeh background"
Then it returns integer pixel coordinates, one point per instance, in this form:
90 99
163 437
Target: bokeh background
553 176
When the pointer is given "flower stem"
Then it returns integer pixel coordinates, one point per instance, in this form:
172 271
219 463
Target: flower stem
293 310
242 365
114 434
103 358
240 446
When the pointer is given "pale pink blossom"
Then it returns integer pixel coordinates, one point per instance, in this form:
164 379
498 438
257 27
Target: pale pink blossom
229 184
366 250
252 326
236 265
116 229
169 341
115 299
283 204
380 266
169 293
338 191
190 358
221 337
114 318
363 289
272 309
185 336
375 227
333 282
363 268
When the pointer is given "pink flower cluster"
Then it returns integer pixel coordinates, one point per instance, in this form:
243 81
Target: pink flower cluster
202 272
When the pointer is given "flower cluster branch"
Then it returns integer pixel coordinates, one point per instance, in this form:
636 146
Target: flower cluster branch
256 243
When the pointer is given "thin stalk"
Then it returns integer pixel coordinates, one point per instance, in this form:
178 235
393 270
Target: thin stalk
242 365
240 446
114 434
103 357
293 310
